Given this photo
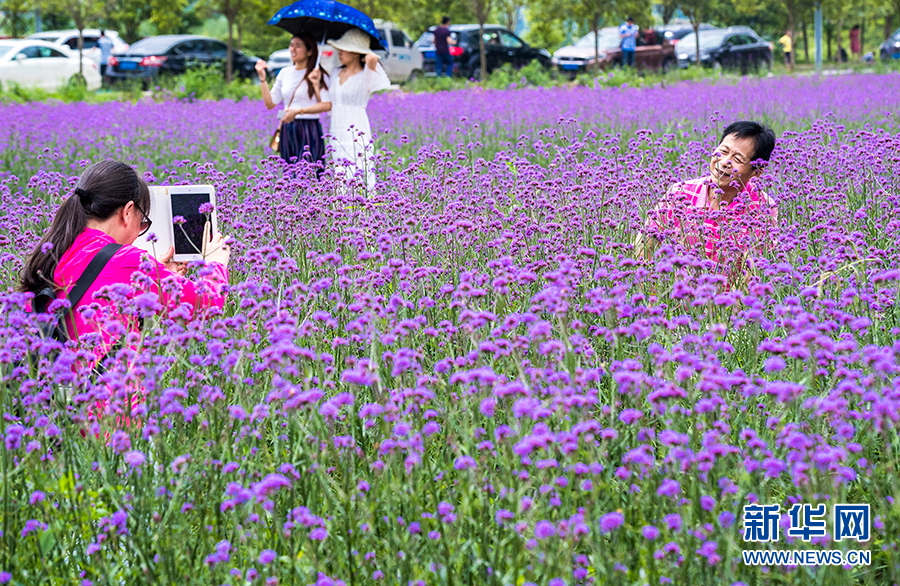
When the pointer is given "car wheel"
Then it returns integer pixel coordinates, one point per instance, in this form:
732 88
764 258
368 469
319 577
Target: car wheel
475 73
717 66
667 66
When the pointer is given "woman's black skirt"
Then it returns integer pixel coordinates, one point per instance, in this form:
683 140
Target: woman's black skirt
302 138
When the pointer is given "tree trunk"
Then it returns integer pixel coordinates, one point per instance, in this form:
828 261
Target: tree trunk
840 42
888 25
228 57
696 24
596 27
483 63
240 28
805 40
81 49
792 24
828 31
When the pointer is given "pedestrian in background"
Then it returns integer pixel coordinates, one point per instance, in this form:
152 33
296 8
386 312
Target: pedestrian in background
855 49
787 44
443 60
628 32
105 45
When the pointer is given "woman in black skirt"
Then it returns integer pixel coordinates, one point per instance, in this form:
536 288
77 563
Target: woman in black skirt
303 89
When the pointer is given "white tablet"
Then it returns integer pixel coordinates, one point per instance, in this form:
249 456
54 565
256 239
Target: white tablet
188 204
192 206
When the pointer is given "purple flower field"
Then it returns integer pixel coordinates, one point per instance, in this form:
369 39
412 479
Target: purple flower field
469 376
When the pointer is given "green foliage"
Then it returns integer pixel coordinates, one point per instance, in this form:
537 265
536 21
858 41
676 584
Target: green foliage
14 16
205 83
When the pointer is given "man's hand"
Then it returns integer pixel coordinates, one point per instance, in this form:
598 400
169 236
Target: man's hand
371 60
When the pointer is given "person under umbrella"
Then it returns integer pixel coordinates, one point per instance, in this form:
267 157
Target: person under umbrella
303 89
359 76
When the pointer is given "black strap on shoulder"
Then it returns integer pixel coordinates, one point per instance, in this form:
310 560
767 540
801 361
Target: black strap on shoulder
91 273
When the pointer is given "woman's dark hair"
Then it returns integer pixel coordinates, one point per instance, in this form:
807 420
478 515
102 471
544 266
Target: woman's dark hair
312 55
100 192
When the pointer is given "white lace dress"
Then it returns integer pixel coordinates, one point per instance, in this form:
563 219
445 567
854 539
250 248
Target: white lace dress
349 129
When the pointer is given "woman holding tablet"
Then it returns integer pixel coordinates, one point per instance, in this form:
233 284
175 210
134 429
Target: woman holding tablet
110 207
303 89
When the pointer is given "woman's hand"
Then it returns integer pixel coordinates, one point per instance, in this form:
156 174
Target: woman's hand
315 77
261 69
179 268
371 60
216 250
289 115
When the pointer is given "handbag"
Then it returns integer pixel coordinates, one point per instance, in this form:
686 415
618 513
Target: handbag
275 141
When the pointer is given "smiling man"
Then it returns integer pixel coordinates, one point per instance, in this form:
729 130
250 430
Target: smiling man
723 210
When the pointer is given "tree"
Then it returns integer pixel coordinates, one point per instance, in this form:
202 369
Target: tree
482 10
668 10
509 12
232 10
15 16
82 13
696 11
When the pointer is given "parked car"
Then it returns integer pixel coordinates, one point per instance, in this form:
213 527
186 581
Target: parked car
500 45
675 32
90 50
737 48
33 63
577 58
402 62
890 48
175 54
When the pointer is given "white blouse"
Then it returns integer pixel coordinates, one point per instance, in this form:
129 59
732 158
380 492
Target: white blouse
287 80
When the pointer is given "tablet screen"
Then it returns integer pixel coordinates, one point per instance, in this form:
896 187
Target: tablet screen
189 235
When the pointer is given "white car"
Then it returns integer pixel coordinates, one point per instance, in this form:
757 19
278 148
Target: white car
90 49
402 62
31 63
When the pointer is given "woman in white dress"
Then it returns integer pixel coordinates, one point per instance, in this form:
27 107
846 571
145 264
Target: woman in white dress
303 90
359 76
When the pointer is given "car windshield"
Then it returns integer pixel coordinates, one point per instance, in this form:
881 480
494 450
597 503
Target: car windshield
50 38
896 35
609 39
150 46
708 40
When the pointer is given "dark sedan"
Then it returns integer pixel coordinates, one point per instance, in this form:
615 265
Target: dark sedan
500 46
175 54
736 48
890 49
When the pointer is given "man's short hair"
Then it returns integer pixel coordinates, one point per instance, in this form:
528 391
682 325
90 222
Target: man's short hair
763 137
445 19
629 19
102 33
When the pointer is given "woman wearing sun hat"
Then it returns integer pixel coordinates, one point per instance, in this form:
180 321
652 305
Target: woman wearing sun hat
359 76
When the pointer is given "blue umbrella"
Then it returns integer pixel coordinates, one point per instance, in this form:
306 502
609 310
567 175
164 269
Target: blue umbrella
325 19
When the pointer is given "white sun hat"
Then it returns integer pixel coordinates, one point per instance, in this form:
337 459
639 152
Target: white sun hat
353 41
